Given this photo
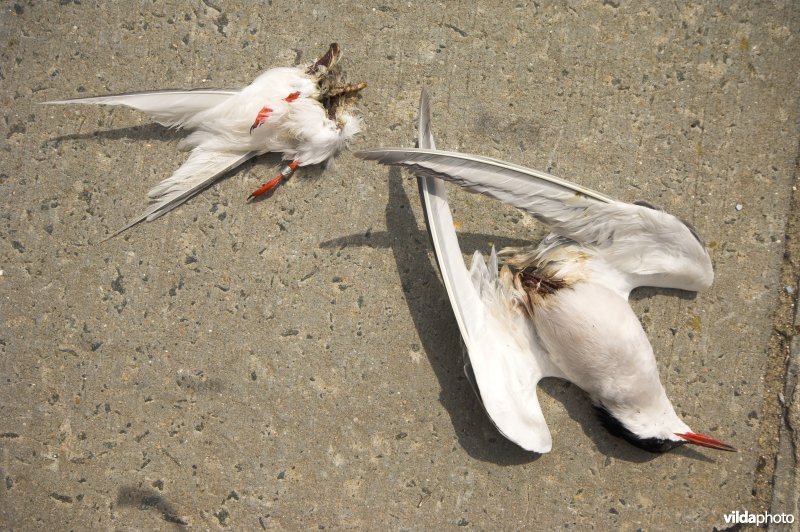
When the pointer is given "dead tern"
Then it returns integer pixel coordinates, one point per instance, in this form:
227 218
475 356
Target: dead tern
560 309
296 111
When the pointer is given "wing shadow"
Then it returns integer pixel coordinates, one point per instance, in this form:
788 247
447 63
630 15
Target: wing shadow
433 319
141 132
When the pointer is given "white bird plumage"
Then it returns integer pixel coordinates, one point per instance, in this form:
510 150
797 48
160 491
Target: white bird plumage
288 110
561 309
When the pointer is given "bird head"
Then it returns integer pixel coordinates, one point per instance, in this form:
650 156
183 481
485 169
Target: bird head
656 430
333 90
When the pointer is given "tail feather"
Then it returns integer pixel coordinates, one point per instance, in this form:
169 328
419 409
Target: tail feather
170 108
197 173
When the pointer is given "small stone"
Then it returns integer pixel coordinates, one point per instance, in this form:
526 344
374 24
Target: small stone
738 206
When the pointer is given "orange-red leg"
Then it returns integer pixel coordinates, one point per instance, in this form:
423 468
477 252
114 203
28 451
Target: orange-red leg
286 173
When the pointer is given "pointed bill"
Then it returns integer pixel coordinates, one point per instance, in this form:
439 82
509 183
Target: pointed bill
705 441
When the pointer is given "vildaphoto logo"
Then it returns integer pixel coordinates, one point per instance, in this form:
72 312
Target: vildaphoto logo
765 518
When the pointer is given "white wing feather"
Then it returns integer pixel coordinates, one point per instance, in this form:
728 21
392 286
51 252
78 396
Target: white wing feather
171 108
506 360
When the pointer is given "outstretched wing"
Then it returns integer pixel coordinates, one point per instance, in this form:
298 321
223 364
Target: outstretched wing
169 108
200 171
649 247
547 197
439 222
502 359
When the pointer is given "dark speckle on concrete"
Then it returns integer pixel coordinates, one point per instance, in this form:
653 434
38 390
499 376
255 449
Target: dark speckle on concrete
456 29
146 499
117 284
222 516
221 22
61 498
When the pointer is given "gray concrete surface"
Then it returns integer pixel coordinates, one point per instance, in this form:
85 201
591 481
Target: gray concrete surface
293 363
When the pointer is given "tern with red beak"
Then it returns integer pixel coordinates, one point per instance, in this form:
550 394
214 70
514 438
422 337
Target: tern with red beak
295 111
560 309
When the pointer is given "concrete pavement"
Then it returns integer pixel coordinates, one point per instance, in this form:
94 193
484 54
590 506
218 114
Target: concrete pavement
293 362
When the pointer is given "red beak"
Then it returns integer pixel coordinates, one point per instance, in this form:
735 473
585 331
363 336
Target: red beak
705 441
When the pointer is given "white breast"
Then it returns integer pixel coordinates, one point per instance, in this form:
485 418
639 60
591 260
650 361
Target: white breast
591 334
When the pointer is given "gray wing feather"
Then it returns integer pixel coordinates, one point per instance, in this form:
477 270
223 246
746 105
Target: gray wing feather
649 247
199 172
440 226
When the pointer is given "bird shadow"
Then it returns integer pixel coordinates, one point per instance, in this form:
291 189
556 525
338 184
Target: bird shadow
647 292
433 319
438 332
142 132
